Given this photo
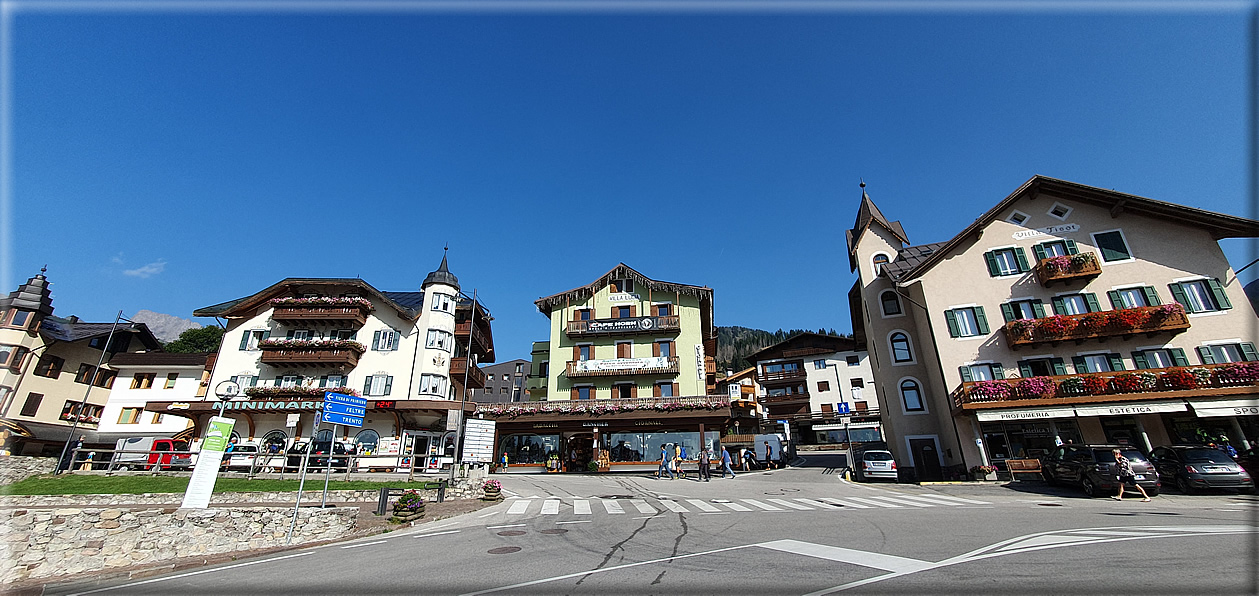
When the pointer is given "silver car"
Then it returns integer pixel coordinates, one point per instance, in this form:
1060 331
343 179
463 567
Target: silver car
876 464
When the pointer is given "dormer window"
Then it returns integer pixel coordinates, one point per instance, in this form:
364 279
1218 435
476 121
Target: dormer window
622 286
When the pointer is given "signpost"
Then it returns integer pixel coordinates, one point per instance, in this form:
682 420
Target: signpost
201 486
338 408
478 441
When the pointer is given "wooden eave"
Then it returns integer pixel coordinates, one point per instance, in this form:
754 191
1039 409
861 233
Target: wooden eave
246 307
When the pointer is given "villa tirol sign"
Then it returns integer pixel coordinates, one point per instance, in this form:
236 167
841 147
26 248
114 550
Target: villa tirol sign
1047 231
630 324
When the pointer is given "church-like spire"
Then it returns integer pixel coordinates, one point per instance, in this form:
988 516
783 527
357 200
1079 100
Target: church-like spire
34 295
442 275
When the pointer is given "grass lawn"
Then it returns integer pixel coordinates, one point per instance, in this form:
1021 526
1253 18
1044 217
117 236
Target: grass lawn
131 485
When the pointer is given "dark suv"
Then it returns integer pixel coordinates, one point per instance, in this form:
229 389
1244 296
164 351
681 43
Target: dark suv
1194 467
1093 468
318 456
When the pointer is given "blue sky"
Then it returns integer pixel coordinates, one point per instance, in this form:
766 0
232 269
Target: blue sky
173 160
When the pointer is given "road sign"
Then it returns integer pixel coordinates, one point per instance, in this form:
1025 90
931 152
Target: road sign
339 408
478 441
341 398
332 418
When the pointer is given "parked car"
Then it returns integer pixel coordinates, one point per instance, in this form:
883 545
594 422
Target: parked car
137 453
1092 467
875 463
1196 467
319 453
241 458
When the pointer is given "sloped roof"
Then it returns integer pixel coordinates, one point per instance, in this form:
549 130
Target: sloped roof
909 257
67 330
1219 225
442 276
868 213
33 295
244 306
807 339
623 271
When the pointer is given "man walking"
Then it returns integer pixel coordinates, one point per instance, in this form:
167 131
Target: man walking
664 464
725 464
705 474
769 456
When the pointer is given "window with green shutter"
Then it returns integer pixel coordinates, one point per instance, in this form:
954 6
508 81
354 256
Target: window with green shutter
1112 246
966 322
1226 353
1022 309
1006 261
1201 295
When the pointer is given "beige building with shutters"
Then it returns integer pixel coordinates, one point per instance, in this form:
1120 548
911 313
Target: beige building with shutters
1066 313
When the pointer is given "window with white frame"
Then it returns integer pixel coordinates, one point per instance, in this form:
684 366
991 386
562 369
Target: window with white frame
1094 363
911 396
385 340
289 381
244 381
1075 304
1022 309
443 302
433 385
890 303
1201 295
879 260
967 321
1006 261
819 364
301 334
1059 211
983 371
1018 218
901 350
440 340
1133 297
252 337
1228 352
1160 358
378 384
333 381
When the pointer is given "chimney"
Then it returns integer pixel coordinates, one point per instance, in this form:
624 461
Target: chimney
73 318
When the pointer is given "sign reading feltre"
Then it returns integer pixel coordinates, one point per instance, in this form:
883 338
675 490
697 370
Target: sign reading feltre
339 408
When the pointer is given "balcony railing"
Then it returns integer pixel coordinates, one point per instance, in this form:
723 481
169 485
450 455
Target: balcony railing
298 353
627 326
609 406
352 315
710 365
1181 381
463 329
619 367
476 376
784 375
1067 268
1169 318
777 399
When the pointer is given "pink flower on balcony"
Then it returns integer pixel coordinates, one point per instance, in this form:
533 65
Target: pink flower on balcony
1037 387
1055 326
990 391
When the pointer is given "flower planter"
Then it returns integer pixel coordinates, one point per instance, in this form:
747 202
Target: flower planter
493 494
979 476
402 515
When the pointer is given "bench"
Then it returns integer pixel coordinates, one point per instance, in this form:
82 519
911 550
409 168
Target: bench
1022 466
382 504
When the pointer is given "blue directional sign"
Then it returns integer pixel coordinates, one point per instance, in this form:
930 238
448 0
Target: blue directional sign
339 408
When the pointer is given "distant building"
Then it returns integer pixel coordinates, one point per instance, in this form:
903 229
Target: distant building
48 367
504 382
154 376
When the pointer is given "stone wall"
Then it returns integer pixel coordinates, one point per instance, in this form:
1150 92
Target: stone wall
460 490
52 542
16 468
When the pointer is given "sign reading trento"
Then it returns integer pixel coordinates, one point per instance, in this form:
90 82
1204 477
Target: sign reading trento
339 408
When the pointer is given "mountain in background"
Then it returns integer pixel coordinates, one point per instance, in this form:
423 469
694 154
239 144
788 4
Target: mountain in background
166 327
734 344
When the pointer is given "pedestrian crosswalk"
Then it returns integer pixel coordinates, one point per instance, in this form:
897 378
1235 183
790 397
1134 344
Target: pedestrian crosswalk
582 507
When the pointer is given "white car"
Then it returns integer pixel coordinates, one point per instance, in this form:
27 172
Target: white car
876 464
241 458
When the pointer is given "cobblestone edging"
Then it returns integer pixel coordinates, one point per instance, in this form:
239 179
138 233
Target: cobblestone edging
44 543
16 468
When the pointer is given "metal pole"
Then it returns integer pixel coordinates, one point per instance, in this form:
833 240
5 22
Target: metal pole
327 473
463 395
83 404
302 483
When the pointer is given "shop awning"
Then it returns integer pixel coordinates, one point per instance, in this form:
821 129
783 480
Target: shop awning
1228 407
1128 409
1027 414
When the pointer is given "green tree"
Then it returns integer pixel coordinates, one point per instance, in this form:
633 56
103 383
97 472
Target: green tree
195 341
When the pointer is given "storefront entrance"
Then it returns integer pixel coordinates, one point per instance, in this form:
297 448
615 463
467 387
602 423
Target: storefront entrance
579 452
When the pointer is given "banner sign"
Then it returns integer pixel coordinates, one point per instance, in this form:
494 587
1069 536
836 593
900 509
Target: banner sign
622 364
991 416
1232 407
1131 409
627 325
201 485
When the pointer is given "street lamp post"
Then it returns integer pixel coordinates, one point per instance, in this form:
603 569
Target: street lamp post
463 395
83 404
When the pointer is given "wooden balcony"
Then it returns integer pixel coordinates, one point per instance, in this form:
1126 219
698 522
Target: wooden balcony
710 365
1078 267
622 367
629 326
341 315
1175 382
314 355
782 399
1125 323
781 376
478 337
476 377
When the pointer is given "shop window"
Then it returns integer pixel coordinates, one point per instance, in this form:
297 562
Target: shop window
274 441
528 448
367 441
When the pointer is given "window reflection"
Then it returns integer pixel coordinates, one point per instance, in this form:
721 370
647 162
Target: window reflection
529 448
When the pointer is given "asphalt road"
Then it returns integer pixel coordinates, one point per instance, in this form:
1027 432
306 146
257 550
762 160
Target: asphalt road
797 531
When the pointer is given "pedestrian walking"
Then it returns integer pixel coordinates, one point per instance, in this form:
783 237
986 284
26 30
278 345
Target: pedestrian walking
664 464
725 464
503 463
705 474
1124 469
678 461
769 456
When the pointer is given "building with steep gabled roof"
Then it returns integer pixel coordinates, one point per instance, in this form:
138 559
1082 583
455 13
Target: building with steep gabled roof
1065 313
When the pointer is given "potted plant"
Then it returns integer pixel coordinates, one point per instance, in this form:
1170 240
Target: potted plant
1022 328
1034 387
1058 264
408 507
1180 379
990 391
493 490
1096 385
1126 319
984 472
1055 326
1093 322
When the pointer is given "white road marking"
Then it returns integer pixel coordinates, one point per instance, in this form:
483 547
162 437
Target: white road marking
674 506
551 507
365 544
818 504
518 507
702 506
580 521
761 505
612 506
786 503
487 515
1107 533
642 506
958 499
847 555
903 501
843 503
506 526
581 507
736 506
872 502
192 573
440 533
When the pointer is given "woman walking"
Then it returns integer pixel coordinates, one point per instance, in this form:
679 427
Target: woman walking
1123 468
